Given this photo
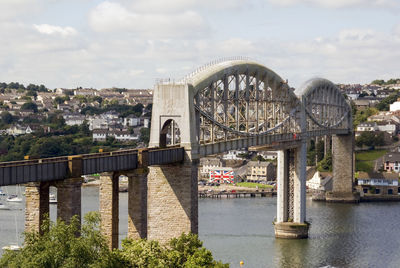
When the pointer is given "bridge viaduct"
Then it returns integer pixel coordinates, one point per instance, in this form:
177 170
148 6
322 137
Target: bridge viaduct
225 105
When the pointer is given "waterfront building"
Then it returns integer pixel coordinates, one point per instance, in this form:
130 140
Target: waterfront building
384 183
207 164
259 171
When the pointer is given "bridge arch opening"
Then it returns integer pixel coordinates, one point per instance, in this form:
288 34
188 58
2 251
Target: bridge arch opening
170 134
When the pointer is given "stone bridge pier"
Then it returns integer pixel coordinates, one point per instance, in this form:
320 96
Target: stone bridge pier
343 170
172 201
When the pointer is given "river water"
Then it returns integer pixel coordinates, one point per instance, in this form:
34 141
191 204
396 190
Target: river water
341 235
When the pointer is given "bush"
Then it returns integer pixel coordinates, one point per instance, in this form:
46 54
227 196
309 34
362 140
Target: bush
60 246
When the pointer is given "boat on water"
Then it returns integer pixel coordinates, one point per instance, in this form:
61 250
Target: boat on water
4 207
12 248
14 198
2 193
52 199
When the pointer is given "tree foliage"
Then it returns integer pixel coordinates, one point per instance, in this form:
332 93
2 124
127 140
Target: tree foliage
370 138
59 246
362 115
384 104
29 106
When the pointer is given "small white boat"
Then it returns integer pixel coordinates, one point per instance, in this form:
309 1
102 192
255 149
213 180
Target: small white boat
2 193
12 248
14 198
4 207
52 199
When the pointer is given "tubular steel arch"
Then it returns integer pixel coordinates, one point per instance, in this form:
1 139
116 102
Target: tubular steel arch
241 98
324 105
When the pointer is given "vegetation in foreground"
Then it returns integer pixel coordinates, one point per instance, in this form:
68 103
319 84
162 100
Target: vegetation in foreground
59 246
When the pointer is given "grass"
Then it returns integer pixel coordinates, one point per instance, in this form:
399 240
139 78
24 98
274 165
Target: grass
370 155
253 185
365 160
366 166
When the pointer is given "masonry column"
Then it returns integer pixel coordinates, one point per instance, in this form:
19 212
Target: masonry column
69 198
291 207
109 213
37 205
137 203
343 170
172 200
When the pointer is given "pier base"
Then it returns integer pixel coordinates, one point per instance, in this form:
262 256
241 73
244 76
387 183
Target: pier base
337 197
291 230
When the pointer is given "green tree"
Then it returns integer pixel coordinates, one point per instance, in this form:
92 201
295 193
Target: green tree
6 118
378 82
60 247
326 163
30 106
384 104
145 135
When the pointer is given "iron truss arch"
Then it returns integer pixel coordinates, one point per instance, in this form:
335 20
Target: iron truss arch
325 107
241 98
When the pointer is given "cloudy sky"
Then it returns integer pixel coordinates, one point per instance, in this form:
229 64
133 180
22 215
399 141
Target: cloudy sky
131 43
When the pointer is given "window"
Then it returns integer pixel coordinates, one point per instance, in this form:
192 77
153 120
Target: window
365 190
377 191
390 191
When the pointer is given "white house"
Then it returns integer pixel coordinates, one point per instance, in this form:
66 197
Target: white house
367 126
131 121
233 155
19 130
74 119
395 106
321 181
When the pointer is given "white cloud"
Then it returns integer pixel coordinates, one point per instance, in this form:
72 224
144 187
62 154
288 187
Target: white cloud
110 17
57 30
339 3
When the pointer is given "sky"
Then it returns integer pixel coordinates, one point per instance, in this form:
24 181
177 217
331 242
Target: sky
132 43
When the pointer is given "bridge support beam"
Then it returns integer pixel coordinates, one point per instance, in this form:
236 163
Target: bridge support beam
343 170
69 198
109 211
37 205
291 207
137 203
172 201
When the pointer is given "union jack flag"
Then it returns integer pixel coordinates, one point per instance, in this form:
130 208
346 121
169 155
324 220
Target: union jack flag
222 176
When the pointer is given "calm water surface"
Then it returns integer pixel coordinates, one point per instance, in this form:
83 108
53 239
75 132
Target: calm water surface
341 235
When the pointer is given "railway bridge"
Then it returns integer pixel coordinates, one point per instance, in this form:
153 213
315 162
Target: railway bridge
224 105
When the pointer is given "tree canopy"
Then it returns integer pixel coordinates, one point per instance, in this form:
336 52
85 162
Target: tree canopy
59 246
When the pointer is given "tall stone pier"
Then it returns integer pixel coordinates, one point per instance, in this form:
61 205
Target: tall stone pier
291 186
37 205
69 198
172 201
109 201
343 170
137 203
